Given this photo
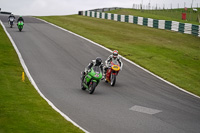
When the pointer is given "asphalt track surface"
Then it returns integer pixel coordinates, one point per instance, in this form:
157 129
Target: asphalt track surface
55 59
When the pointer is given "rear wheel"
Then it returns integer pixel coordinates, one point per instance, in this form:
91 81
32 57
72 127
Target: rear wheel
113 80
92 87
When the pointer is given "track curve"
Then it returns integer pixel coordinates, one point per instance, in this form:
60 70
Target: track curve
138 103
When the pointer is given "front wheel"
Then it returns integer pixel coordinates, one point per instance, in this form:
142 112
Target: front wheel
92 87
113 80
82 80
82 86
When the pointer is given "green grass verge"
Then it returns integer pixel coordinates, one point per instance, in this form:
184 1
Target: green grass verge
171 55
172 15
22 110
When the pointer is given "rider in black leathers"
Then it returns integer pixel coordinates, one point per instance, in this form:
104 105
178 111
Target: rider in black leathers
20 19
97 62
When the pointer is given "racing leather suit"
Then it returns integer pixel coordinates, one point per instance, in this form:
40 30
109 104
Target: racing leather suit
93 63
11 16
108 61
20 19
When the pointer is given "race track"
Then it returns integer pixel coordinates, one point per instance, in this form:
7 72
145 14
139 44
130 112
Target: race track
139 103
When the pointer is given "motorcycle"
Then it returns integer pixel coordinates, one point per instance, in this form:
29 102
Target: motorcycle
91 80
11 22
112 72
20 25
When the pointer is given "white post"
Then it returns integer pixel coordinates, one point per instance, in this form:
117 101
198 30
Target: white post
149 4
192 3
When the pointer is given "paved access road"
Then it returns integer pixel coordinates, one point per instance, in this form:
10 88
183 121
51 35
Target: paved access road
139 103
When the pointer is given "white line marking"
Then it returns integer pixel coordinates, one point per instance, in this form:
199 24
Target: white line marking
33 82
124 59
145 110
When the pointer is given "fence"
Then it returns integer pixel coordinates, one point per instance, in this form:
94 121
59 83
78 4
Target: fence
176 13
105 9
159 24
172 10
154 6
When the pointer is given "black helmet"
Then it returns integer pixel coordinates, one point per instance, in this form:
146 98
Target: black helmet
98 61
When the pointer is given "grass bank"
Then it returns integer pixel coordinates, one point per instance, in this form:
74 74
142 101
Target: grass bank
172 14
22 110
171 55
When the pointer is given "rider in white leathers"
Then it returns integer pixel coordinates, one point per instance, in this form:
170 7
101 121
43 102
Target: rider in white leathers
113 57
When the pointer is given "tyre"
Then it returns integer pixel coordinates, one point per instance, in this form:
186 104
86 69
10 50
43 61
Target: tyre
92 87
112 80
82 86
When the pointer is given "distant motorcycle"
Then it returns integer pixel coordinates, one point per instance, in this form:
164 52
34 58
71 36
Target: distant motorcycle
112 73
20 25
11 22
91 80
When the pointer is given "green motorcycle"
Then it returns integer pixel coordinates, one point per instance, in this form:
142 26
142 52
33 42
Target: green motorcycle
20 25
91 80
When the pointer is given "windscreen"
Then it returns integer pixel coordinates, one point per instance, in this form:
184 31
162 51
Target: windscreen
115 62
97 69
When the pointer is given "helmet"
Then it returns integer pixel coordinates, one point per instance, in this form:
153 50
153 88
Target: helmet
98 61
115 53
20 16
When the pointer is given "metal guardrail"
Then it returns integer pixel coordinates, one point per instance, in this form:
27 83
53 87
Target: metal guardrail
105 9
101 10
186 28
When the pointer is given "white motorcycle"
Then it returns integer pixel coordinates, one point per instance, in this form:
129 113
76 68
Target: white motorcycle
11 22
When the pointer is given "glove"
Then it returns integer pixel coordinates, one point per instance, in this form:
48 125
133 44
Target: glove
86 72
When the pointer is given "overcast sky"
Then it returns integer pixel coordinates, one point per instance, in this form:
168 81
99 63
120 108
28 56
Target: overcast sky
67 7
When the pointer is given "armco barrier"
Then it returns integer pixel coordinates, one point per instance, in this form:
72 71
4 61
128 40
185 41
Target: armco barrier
175 26
199 32
105 9
160 24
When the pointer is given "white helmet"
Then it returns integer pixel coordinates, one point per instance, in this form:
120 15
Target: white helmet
115 53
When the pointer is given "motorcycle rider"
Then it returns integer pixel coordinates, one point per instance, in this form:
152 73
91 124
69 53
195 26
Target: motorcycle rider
20 19
97 62
114 56
11 16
